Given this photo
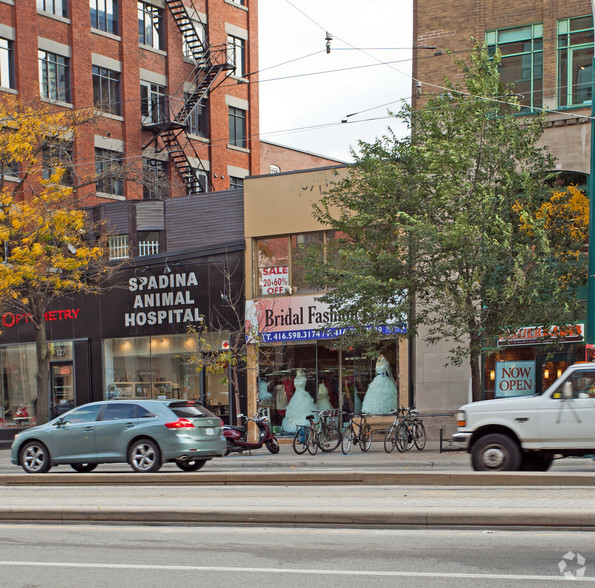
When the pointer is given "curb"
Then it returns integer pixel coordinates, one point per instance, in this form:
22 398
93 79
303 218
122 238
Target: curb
583 519
304 478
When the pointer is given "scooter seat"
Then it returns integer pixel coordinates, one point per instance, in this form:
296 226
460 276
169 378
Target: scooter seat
235 428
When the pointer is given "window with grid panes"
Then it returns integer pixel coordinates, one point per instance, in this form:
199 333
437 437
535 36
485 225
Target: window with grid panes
236 55
106 90
150 25
575 61
153 103
197 120
148 243
155 185
237 127
54 155
104 15
108 168
54 76
6 64
118 246
522 61
57 7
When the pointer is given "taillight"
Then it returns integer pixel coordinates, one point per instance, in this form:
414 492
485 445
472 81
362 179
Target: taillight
221 423
180 424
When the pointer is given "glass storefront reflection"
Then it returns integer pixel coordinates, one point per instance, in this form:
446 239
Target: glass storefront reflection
160 367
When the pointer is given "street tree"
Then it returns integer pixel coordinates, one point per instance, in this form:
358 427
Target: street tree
46 254
433 228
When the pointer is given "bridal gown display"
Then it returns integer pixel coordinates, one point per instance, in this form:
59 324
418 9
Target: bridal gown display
322 399
381 396
300 406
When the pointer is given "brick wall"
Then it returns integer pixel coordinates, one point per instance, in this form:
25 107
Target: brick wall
288 159
76 33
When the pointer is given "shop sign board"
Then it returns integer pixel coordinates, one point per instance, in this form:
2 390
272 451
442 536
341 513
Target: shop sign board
544 335
298 318
515 378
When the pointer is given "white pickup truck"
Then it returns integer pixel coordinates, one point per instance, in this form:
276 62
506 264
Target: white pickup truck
525 433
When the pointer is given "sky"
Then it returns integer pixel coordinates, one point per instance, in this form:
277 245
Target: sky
306 93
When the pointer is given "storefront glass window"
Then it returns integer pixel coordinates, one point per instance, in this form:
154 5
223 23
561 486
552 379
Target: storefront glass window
19 386
299 248
334 379
273 266
160 367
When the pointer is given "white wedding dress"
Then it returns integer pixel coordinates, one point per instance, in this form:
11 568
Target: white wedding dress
381 396
300 405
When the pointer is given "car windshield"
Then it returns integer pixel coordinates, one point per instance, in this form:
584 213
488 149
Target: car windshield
190 409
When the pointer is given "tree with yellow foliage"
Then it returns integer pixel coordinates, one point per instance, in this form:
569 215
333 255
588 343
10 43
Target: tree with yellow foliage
46 255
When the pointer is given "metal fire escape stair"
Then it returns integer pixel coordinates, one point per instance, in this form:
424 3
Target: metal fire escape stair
210 62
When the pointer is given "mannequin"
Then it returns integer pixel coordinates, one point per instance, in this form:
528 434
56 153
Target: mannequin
280 397
265 397
381 396
300 405
322 399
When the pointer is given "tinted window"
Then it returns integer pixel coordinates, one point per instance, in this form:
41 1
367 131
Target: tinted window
84 414
121 410
190 410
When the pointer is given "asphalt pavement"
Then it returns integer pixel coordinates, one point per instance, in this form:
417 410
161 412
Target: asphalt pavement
263 489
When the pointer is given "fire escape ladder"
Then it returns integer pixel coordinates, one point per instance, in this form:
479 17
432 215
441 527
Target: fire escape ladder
210 62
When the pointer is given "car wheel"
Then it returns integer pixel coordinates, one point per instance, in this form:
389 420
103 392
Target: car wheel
35 458
496 453
83 468
190 466
144 456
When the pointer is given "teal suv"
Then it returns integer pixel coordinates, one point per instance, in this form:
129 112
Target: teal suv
143 433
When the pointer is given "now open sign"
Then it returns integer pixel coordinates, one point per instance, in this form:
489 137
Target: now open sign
515 378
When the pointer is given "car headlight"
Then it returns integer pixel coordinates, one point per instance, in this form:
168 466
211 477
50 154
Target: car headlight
461 419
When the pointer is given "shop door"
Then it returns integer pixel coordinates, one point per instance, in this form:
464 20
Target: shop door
62 387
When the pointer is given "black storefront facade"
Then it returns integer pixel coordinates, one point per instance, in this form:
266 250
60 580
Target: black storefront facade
131 341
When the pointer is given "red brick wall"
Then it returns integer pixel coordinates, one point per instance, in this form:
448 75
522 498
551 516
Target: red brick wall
291 159
77 34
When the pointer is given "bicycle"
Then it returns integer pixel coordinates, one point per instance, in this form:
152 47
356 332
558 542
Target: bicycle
321 435
361 437
390 438
409 431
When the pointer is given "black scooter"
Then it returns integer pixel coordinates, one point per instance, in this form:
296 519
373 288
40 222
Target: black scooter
237 437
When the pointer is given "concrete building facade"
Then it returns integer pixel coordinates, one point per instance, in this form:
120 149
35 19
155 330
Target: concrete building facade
547 53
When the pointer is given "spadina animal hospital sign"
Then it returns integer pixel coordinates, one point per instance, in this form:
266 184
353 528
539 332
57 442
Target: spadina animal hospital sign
297 318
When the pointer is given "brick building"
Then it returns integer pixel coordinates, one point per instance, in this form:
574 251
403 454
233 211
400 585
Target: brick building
168 77
547 53
278 158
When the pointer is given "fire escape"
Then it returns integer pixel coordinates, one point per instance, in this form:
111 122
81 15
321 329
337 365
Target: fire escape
172 124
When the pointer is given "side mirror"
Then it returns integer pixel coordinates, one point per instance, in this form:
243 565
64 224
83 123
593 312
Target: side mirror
567 390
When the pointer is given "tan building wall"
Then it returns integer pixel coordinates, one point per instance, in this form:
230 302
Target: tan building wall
282 204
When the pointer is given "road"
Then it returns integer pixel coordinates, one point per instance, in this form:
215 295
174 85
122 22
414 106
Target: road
112 557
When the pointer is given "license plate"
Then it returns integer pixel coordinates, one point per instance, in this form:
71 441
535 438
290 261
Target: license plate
209 431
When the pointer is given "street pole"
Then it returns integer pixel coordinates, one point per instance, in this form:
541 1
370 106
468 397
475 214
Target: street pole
590 327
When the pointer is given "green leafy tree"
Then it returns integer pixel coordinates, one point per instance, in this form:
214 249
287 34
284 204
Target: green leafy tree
433 227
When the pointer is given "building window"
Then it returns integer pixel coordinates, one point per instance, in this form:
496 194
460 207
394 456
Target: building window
106 90
108 167
280 262
104 15
197 120
522 61
54 155
237 127
240 2
274 169
57 7
148 243
6 64
54 76
118 247
235 183
236 55
153 101
155 185
203 182
575 61
150 25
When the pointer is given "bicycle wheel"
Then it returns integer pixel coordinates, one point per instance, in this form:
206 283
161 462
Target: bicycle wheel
365 440
347 439
401 437
312 442
410 435
329 438
390 439
300 440
419 435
